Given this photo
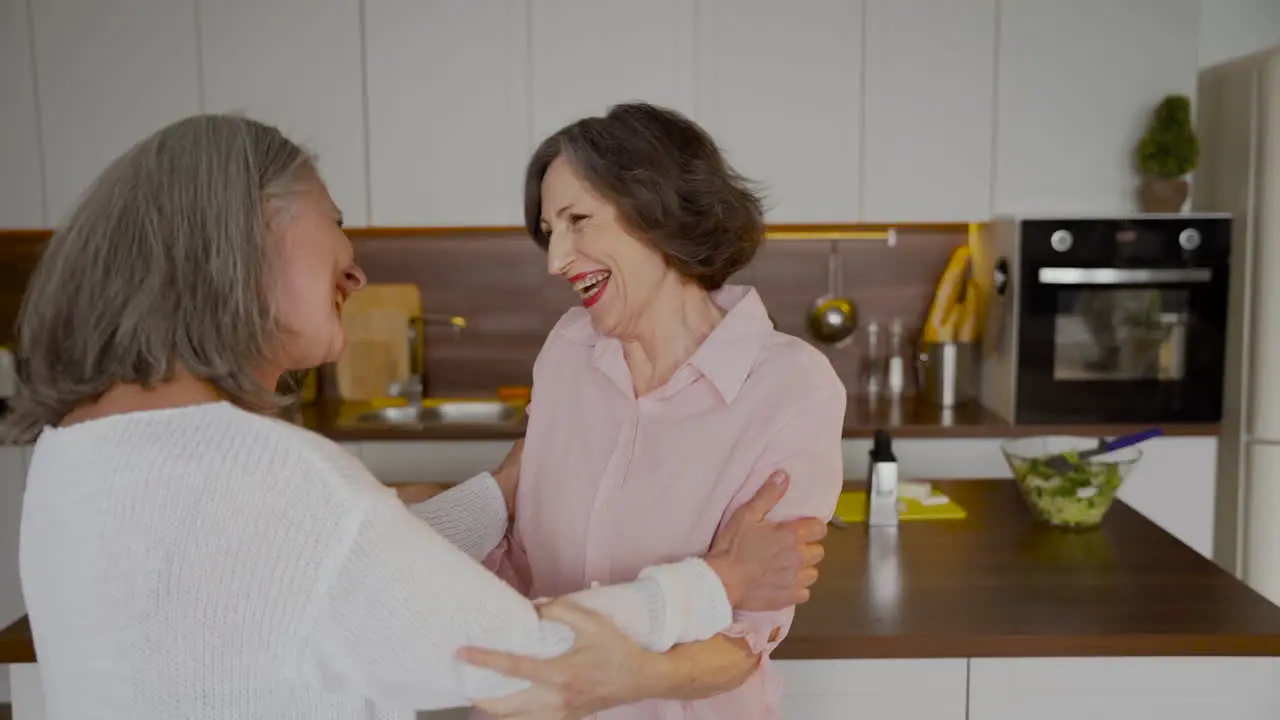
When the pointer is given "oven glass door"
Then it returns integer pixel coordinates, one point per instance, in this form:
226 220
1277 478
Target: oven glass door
1122 345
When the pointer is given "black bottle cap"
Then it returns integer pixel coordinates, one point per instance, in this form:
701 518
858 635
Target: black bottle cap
882 447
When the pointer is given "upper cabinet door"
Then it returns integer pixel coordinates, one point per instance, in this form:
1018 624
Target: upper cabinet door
590 54
779 87
21 192
108 75
929 109
294 64
448 111
1076 83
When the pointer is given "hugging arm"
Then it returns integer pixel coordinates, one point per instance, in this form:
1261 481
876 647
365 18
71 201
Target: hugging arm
471 515
401 601
474 515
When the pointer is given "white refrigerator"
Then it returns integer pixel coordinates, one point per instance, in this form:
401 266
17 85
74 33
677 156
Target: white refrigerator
1238 121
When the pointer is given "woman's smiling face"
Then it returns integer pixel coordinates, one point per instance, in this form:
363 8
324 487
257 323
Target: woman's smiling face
316 273
616 274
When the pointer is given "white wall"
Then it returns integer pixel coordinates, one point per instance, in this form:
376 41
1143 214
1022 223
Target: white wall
1231 28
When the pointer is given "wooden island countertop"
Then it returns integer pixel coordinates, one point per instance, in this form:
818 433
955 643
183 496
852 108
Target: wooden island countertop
999 584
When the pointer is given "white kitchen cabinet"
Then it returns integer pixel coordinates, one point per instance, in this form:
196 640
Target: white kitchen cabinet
889 689
395 462
1123 688
1174 485
933 458
295 64
929 109
108 75
355 448
589 54
21 177
448 111
1076 83
779 87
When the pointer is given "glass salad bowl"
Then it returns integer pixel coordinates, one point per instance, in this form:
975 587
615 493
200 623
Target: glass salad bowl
1076 494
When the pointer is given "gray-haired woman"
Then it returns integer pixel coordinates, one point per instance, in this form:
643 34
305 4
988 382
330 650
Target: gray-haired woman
186 554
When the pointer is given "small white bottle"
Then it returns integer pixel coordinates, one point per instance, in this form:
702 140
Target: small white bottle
882 482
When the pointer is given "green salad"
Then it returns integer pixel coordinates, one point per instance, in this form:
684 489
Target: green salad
1077 498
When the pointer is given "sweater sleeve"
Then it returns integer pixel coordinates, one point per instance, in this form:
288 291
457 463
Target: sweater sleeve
402 601
471 515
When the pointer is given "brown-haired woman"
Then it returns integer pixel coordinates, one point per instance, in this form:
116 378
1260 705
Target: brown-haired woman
667 399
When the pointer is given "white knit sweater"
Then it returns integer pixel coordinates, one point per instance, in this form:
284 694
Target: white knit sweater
206 562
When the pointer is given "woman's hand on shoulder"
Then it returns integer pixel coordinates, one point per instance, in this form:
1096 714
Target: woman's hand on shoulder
508 475
767 565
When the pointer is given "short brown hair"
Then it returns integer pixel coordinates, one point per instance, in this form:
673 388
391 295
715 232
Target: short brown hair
669 182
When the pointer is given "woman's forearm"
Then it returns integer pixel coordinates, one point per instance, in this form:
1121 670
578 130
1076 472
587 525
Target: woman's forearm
472 515
705 669
402 602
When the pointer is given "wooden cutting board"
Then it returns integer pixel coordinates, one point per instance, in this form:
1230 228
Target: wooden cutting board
376 321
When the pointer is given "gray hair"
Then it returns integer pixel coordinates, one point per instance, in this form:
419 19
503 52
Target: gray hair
164 263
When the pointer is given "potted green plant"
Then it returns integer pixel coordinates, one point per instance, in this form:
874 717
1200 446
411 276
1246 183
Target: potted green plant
1167 152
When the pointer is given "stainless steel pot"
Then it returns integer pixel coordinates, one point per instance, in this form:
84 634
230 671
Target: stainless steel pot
948 373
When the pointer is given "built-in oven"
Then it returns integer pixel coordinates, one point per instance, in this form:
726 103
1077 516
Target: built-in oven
1105 319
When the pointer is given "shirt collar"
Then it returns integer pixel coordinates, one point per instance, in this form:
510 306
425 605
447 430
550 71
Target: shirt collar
725 357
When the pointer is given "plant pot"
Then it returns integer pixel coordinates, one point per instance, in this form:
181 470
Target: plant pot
1163 195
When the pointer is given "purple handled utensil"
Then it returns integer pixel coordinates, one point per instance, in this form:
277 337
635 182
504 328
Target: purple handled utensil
1061 464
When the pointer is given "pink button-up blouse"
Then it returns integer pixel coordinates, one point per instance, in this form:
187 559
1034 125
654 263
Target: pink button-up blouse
611 483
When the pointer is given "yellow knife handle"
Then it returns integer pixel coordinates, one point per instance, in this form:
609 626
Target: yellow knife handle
941 320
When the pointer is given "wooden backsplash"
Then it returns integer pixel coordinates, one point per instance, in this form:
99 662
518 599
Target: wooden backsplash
500 284
19 253
498 281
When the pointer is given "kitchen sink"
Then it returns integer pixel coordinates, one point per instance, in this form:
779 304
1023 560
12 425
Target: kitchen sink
445 412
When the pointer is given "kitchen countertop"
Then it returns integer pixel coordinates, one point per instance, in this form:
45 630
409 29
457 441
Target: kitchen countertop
909 418
998 584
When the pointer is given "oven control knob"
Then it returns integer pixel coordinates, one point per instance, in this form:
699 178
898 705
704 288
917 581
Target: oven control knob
1189 239
1061 240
